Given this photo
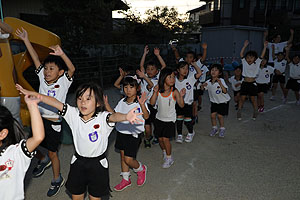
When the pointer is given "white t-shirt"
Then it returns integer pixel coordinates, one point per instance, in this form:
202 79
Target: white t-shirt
215 92
58 90
233 82
295 71
14 162
166 107
280 65
264 74
144 85
91 136
278 48
251 71
188 84
126 127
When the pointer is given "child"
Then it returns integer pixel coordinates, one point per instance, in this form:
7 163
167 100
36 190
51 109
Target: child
219 98
91 126
251 64
152 72
279 76
262 80
15 151
129 135
294 80
183 80
166 96
236 82
55 82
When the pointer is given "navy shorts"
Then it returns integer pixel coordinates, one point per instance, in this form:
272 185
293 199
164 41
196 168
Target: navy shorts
186 111
262 88
278 78
293 84
219 108
164 129
53 135
249 88
128 143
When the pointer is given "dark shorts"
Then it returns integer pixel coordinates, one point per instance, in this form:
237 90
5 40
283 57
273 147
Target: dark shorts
186 111
197 94
152 115
220 108
88 174
52 138
164 129
249 88
235 93
278 78
293 85
129 144
262 88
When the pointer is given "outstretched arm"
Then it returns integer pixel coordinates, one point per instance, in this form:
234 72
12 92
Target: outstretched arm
290 41
176 53
243 49
131 116
59 52
154 96
264 49
287 53
143 76
265 36
160 59
22 34
204 47
198 70
142 62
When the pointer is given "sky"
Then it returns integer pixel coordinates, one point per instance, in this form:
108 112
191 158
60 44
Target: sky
141 6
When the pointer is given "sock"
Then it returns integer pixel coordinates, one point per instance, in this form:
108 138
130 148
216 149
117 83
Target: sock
222 128
59 179
214 127
169 157
164 153
189 125
140 168
179 123
125 175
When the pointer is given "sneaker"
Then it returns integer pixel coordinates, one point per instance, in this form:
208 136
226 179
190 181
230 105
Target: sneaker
40 168
189 137
254 116
272 98
168 162
222 133
262 109
155 141
142 175
213 132
239 115
164 155
55 187
123 185
179 139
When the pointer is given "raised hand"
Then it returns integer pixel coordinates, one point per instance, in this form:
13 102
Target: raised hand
132 116
204 45
156 51
292 31
140 73
146 50
266 43
246 43
182 92
22 34
27 92
155 89
57 51
143 98
29 99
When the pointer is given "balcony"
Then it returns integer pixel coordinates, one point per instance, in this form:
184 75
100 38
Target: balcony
209 18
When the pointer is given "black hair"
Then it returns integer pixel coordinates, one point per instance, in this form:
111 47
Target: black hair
296 55
162 77
280 53
219 67
98 93
57 60
152 63
129 80
239 67
181 64
192 53
15 131
252 54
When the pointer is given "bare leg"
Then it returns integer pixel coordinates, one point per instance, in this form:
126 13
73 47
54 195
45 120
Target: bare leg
221 120
254 103
78 197
274 89
297 95
94 198
131 162
282 88
148 131
167 145
161 143
241 102
124 166
213 119
55 164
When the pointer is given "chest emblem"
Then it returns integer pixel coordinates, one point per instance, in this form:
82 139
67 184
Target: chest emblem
188 86
96 126
267 75
93 136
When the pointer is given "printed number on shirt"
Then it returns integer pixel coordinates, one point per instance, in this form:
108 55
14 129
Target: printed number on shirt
267 75
93 136
188 86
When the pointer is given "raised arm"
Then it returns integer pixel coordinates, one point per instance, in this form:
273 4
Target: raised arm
290 41
264 50
204 47
142 101
154 95
160 59
117 83
243 49
176 53
265 36
287 53
143 76
142 62
198 70
37 126
107 106
57 51
22 34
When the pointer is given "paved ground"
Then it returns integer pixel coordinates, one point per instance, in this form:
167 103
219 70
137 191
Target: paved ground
256 160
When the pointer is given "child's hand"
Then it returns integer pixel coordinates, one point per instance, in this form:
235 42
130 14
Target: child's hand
194 64
266 33
28 93
156 51
22 34
182 92
122 72
140 73
132 116
292 31
204 45
143 98
173 47
266 44
29 99
155 89
57 50
146 50
238 84
204 85
246 43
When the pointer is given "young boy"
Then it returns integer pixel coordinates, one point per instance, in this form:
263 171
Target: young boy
152 72
55 82
251 64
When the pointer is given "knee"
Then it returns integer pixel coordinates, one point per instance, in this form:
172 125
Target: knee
52 154
128 160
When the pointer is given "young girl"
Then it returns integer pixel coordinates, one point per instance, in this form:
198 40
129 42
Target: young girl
219 98
236 82
15 151
262 80
166 96
129 135
184 80
91 126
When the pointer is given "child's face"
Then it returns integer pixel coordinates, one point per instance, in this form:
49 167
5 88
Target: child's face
130 91
170 80
277 39
214 72
263 62
183 71
151 71
87 104
52 72
237 72
280 57
296 59
189 58
250 59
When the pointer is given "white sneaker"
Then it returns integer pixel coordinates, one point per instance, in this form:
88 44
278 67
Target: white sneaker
179 139
168 162
189 137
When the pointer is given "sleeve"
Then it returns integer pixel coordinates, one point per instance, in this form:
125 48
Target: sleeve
40 72
181 60
271 69
68 113
223 83
199 64
109 125
23 156
230 79
118 106
258 61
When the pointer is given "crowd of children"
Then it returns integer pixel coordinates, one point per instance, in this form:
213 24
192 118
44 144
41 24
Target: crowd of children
155 96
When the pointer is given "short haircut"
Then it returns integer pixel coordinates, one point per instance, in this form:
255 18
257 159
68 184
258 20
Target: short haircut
181 64
192 53
57 60
252 54
219 67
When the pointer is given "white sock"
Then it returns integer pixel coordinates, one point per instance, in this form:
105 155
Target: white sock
140 168
215 127
169 157
222 128
125 175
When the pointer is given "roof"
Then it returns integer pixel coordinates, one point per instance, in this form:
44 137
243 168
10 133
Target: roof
120 5
197 9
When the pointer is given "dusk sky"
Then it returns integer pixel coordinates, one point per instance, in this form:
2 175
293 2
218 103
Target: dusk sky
141 6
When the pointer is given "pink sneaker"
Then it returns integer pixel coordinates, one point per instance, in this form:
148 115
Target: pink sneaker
142 176
123 185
